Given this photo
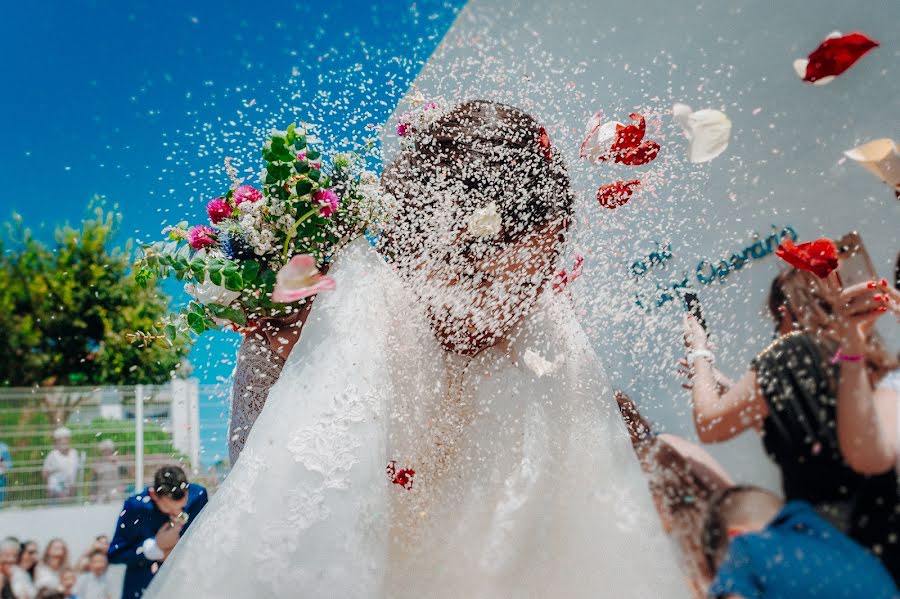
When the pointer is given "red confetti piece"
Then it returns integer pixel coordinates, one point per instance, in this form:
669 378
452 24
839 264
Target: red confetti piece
837 54
616 194
404 477
544 142
818 257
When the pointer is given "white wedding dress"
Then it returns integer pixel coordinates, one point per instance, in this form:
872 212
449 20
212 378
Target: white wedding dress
525 483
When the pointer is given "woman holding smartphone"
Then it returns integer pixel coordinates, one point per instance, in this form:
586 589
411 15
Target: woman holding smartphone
789 395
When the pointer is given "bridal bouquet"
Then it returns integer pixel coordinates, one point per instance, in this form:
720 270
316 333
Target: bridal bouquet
262 251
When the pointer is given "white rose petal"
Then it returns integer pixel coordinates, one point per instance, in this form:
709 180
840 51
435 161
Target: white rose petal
485 222
538 364
598 139
881 158
707 130
207 293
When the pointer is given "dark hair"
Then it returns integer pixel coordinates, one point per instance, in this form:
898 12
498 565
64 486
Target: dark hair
97 551
897 273
46 593
170 481
480 152
728 507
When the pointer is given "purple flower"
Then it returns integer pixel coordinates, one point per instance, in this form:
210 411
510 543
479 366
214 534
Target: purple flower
327 200
201 236
218 210
246 193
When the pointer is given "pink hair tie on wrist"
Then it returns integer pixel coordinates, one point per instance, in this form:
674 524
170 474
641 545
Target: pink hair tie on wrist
840 356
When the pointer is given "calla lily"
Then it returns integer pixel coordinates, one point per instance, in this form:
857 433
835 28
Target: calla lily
835 54
300 278
208 293
879 157
707 130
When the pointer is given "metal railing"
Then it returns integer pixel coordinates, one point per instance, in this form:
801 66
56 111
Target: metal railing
119 437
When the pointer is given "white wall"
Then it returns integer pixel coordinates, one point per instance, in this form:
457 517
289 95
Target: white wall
563 61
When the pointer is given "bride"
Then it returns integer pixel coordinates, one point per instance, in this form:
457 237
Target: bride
444 428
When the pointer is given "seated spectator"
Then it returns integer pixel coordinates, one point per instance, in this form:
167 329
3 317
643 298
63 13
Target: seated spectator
107 473
868 415
761 548
151 523
93 584
682 478
24 575
6 465
789 395
52 565
101 543
67 580
60 469
9 553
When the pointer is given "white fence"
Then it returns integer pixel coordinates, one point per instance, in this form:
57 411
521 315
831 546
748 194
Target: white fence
119 436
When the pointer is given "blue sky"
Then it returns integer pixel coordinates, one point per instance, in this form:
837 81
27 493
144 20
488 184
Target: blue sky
140 102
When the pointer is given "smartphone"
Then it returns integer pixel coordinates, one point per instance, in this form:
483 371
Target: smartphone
854 264
692 305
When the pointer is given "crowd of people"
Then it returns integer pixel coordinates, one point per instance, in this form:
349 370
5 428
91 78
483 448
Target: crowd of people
825 398
27 573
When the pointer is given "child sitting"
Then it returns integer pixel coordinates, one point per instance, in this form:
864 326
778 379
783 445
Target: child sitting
760 548
93 584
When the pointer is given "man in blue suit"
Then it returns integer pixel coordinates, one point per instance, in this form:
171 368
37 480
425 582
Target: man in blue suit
150 525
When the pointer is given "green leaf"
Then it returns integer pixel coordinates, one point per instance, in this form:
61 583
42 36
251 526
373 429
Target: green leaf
228 313
313 154
234 282
291 134
304 186
278 172
302 167
314 174
215 277
171 332
249 270
196 322
300 142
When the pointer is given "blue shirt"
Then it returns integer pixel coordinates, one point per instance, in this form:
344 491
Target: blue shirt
800 555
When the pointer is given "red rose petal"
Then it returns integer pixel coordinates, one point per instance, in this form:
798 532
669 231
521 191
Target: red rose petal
836 55
616 194
628 136
404 477
544 142
643 153
818 257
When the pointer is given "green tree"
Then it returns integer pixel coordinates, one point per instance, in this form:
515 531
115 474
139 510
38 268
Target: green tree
68 310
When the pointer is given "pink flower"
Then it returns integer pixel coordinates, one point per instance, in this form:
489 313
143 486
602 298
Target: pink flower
402 129
316 164
246 193
218 210
201 236
327 200
300 278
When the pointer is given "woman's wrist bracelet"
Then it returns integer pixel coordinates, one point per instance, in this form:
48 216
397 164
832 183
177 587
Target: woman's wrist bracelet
840 356
700 353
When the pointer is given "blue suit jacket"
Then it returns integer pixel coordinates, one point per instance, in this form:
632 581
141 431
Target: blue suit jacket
141 519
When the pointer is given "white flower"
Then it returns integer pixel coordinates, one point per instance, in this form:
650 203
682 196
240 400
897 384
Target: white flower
598 139
707 130
879 157
485 222
207 293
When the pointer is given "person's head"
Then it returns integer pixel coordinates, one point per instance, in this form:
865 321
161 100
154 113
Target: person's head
28 555
9 555
480 207
735 511
67 580
170 490
101 542
107 447
56 555
800 300
97 562
62 438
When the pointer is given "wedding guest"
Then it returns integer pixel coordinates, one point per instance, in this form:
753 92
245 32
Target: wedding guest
107 472
24 575
761 547
94 583
50 594
52 565
61 466
682 478
9 552
789 395
5 466
67 580
151 523
101 543
868 415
